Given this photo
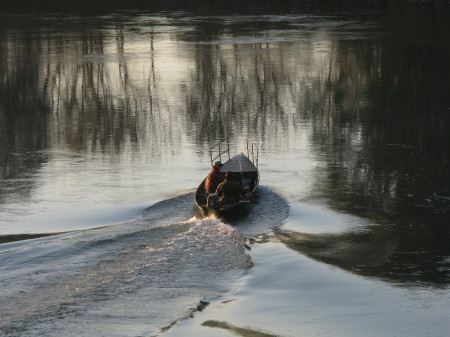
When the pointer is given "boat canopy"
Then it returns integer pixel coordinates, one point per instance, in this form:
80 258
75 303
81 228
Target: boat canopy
239 163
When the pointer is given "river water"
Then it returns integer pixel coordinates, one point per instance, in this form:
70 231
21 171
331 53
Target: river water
105 126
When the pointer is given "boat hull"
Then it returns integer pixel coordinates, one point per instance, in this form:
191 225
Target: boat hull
226 212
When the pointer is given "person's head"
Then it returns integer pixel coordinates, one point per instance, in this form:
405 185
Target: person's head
218 163
228 175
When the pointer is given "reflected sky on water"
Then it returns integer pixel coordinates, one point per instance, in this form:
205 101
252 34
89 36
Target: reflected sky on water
105 114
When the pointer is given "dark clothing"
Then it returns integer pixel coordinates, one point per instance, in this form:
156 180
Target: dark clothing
213 179
229 192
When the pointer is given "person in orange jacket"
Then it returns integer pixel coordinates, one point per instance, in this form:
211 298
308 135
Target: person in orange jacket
214 178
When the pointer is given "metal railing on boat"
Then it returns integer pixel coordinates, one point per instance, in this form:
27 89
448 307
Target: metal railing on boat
251 146
221 148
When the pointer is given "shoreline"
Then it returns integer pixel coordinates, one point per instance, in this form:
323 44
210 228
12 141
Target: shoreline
207 6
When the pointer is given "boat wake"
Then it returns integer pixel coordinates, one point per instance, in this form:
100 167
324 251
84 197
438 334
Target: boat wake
145 273
268 211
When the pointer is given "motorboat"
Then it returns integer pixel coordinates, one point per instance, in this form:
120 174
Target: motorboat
243 168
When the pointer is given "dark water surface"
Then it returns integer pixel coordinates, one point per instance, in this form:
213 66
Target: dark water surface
103 116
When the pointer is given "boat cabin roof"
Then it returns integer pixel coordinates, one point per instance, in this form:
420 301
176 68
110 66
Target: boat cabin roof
239 163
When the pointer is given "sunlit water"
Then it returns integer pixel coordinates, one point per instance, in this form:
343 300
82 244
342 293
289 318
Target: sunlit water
105 125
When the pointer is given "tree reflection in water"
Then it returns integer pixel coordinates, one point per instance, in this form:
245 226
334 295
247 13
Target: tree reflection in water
376 107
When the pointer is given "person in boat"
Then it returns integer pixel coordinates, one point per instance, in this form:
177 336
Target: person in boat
229 190
214 178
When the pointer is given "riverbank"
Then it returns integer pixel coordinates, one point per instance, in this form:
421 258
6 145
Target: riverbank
212 5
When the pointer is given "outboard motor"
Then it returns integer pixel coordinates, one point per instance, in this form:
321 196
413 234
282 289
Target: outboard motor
213 201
